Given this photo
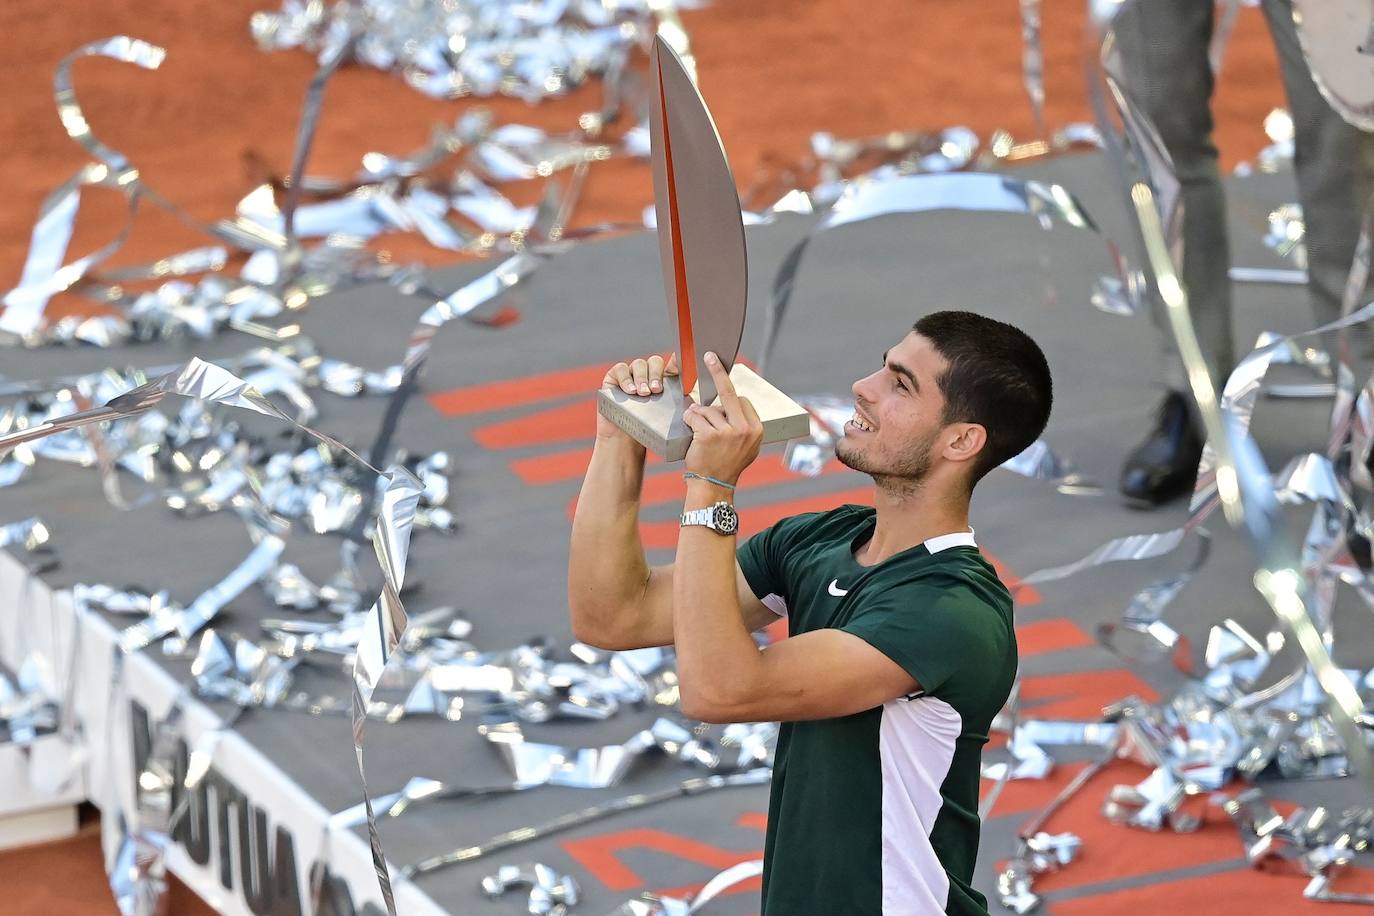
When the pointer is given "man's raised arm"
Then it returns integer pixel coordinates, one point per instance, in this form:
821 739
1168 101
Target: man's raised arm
615 599
608 576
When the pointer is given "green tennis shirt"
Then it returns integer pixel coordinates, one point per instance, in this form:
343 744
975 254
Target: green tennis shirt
877 812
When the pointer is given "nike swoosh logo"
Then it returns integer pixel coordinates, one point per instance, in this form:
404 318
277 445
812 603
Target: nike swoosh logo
836 590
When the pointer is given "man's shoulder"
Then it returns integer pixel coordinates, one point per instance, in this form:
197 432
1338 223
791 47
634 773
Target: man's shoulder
968 576
958 580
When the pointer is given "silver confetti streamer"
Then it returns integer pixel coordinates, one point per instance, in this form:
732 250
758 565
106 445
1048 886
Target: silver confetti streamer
385 622
1033 62
689 788
385 625
550 894
1213 729
44 272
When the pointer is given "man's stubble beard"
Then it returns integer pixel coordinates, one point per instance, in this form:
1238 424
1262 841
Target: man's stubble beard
903 478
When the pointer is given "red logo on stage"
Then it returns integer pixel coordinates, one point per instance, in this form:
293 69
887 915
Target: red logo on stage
600 855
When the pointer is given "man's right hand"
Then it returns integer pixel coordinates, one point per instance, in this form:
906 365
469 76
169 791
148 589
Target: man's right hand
642 377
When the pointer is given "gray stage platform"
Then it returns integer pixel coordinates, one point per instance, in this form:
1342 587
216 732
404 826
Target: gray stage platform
859 291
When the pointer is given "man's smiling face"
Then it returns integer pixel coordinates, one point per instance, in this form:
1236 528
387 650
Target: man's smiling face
898 415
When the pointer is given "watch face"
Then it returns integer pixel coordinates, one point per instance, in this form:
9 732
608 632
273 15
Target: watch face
725 518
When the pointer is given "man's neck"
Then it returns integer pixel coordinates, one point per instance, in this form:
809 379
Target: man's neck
908 518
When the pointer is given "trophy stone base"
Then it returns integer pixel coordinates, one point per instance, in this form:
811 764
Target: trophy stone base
656 421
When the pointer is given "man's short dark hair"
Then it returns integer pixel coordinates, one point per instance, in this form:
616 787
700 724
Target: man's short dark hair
997 377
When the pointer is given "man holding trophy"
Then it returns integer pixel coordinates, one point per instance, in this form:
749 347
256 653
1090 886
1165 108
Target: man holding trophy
901 646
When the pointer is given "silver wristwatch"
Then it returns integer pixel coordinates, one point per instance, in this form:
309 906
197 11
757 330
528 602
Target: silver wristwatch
721 518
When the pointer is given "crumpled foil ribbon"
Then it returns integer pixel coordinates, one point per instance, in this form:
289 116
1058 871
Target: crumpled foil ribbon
1237 477
277 279
550 894
1041 853
1214 727
200 461
532 51
521 684
1219 725
530 684
196 379
1015 880
161 314
26 711
1320 842
1213 730
468 301
28 534
441 671
817 180
689 788
44 272
1286 233
1033 61
553 894
1244 488
169 619
738 748
385 622
241 672
1142 635
388 194
137 870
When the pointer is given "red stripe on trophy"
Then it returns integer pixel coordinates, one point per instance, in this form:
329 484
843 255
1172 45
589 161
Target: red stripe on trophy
688 356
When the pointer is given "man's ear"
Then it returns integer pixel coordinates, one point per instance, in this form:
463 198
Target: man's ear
968 443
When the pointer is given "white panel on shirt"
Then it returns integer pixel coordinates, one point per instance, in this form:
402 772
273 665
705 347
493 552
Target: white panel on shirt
916 747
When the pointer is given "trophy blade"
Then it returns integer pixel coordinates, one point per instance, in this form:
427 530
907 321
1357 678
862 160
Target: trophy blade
700 227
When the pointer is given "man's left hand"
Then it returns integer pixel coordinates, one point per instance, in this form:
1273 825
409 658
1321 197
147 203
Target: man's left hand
726 438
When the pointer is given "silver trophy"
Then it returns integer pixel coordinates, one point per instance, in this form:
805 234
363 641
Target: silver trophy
705 274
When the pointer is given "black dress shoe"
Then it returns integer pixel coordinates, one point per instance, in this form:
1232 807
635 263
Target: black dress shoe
1164 466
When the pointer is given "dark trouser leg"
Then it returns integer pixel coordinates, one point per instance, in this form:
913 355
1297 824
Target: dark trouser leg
1164 45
